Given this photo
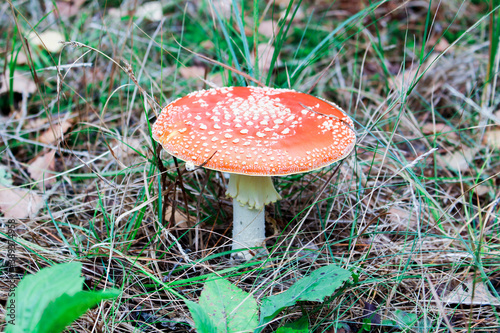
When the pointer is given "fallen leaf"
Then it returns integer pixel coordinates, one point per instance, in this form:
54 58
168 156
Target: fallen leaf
223 8
42 168
281 3
21 58
207 45
483 190
19 203
492 139
179 217
402 217
55 132
461 295
268 28
49 40
152 11
68 8
459 161
439 46
22 83
407 77
447 131
265 54
192 72
216 80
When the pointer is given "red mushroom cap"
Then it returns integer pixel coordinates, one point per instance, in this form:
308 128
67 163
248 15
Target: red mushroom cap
255 131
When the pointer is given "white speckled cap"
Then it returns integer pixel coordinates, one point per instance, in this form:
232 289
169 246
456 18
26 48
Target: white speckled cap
255 131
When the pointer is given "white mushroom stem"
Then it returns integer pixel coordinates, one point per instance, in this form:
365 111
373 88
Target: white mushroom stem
250 194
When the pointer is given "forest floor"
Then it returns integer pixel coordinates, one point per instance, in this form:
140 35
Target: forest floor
413 212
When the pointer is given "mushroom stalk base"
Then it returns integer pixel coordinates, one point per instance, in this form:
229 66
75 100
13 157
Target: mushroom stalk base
250 194
249 230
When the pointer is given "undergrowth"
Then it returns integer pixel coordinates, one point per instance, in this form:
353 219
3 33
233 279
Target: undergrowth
413 212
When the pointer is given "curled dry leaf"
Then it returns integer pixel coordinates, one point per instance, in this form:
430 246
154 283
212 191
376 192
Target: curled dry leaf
471 295
55 132
22 83
49 40
42 168
19 203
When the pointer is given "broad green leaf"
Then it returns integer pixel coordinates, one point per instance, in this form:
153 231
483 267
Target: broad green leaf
36 291
299 326
48 301
202 321
65 309
404 319
315 287
230 308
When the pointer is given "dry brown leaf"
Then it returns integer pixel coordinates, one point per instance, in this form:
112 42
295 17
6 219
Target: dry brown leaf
268 28
459 161
49 40
22 83
409 75
207 45
180 218
402 217
192 72
216 79
42 168
21 58
450 133
152 11
492 139
68 8
483 189
55 132
19 203
223 7
461 295
265 53
440 46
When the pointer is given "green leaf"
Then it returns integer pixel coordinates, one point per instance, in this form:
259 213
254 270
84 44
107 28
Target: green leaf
51 299
230 308
299 326
65 309
315 287
36 291
404 319
202 321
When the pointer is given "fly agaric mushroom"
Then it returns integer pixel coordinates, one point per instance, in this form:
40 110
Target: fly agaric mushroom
253 134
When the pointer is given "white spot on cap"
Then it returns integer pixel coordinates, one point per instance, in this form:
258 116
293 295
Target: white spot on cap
285 131
203 126
228 136
260 135
244 131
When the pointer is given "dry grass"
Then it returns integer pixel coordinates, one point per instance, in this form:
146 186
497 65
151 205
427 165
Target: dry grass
399 213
